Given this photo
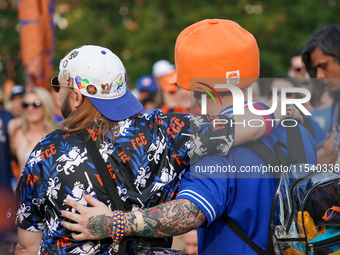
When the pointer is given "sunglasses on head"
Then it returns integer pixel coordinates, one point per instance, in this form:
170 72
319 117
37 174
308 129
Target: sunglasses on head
35 104
55 84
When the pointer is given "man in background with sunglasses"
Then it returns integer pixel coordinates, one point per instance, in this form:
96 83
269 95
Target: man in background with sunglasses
145 155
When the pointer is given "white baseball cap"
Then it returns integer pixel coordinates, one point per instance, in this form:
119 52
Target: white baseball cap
100 75
161 68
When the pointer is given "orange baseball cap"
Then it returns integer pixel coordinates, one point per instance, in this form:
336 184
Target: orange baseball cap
216 48
166 85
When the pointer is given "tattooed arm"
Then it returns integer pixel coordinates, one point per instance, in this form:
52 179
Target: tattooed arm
171 218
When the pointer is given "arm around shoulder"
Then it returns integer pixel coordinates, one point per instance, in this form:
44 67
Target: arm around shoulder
172 218
247 130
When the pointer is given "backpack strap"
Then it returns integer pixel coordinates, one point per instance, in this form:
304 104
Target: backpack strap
269 157
296 149
102 170
238 231
307 123
106 178
264 152
295 144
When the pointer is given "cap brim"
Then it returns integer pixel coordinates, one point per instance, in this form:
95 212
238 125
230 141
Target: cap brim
119 108
166 85
16 94
173 79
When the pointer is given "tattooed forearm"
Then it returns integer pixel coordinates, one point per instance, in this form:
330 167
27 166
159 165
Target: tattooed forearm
172 218
100 225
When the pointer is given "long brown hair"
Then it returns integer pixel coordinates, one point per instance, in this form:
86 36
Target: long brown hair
85 116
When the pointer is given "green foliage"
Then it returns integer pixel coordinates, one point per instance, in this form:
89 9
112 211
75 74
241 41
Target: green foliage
141 32
10 64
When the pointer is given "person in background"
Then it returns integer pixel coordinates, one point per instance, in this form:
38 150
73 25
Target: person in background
185 103
15 100
15 107
160 68
147 91
320 105
321 101
37 120
171 97
7 232
297 68
161 71
321 57
284 81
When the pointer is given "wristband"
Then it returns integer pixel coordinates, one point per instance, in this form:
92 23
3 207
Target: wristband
289 110
117 226
269 127
140 221
114 225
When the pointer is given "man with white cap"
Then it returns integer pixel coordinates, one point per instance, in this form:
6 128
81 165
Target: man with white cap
161 71
16 100
162 67
145 155
207 51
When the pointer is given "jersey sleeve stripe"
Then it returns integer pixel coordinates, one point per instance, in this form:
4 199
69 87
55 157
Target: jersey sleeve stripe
201 200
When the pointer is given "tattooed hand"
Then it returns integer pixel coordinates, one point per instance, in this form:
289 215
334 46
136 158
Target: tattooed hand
100 225
92 223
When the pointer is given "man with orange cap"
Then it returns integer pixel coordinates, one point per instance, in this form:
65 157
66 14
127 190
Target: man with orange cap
162 71
210 55
181 97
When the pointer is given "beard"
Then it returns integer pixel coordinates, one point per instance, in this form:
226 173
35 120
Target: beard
66 107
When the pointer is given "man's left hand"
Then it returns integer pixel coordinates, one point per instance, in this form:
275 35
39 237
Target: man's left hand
92 223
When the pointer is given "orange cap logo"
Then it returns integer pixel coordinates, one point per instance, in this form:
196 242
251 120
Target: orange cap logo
233 77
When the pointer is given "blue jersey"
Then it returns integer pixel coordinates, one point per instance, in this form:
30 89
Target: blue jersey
247 201
323 117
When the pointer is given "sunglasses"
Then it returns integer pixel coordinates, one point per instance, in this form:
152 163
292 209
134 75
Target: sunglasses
35 104
55 84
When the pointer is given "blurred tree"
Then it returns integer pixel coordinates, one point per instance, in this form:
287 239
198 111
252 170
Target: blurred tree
10 63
